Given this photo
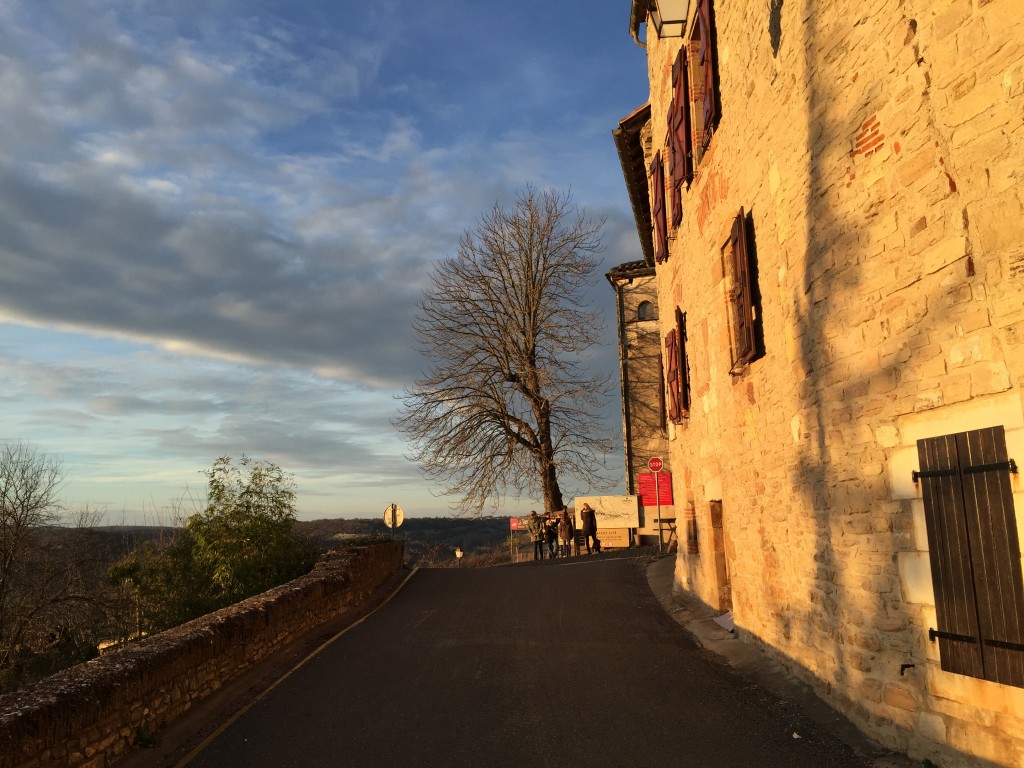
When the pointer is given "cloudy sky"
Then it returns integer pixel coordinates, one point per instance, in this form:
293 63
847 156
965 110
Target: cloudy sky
216 219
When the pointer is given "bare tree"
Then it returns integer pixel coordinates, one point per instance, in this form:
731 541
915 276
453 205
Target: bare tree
43 599
506 404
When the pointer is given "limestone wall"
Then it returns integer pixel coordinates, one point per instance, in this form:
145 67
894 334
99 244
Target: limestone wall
878 149
92 713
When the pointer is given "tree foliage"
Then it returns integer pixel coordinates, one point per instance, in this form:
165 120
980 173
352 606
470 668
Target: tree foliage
241 543
506 404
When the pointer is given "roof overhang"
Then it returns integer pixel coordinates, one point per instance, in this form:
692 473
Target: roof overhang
637 16
634 172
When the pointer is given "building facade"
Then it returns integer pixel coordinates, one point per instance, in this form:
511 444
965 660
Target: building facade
836 229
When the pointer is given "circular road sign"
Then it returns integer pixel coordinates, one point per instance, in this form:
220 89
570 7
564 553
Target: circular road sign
397 515
655 464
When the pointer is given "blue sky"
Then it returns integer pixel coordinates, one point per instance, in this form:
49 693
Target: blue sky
216 219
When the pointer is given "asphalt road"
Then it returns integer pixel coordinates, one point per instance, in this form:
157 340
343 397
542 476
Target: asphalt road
557 665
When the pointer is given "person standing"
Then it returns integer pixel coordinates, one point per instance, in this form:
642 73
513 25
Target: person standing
564 534
535 526
588 521
551 533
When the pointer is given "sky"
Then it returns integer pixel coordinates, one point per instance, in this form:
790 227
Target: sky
217 219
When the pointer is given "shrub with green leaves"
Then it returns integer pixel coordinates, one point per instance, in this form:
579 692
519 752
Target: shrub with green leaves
241 544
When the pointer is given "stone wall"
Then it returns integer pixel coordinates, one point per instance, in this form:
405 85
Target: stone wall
877 148
92 713
643 383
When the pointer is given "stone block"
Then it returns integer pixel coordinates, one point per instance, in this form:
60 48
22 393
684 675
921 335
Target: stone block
901 697
942 255
998 222
932 727
989 378
956 389
916 577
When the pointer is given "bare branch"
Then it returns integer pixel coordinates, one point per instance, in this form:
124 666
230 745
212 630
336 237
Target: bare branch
505 405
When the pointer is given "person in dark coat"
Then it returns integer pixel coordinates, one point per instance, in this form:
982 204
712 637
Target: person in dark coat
565 534
535 525
588 521
551 533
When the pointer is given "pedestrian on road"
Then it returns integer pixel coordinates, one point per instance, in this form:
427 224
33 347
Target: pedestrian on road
535 525
551 533
564 533
588 520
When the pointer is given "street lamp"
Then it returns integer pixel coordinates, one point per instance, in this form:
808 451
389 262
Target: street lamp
669 17
458 556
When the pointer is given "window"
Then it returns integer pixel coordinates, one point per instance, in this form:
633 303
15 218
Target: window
646 311
658 210
740 269
680 154
705 109
678 373
974 548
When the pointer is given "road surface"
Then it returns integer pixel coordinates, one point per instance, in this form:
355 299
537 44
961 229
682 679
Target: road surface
572 664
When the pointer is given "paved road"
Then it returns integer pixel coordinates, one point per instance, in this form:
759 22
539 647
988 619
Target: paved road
553 665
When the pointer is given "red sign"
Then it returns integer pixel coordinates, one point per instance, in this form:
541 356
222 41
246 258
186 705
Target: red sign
655 464
513 523
647 483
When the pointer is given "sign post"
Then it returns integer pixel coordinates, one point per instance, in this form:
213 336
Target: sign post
393 517
655 464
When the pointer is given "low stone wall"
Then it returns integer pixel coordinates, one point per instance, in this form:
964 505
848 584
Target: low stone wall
90 714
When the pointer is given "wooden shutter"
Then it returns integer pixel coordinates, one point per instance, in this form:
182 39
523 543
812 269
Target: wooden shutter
672 364
743 292
706 58
681 155
684 367
975 556
658 209
949 552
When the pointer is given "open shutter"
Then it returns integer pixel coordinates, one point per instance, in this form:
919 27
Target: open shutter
684 368
681 157
743 291
975 556
672 364
706 57
658 209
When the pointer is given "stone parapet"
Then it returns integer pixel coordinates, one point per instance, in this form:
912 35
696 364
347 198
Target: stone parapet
92 713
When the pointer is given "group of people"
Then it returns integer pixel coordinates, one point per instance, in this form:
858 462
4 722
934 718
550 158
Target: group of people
559 531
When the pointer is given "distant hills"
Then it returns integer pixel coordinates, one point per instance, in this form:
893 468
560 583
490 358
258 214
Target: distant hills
428 540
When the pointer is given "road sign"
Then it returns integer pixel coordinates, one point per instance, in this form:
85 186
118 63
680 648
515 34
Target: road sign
655 464
393 516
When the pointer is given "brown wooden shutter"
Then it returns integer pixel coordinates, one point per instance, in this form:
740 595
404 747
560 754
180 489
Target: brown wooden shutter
975 556
684 367
949 552
681 155
743 291
672 366
706 54
995 552
658 209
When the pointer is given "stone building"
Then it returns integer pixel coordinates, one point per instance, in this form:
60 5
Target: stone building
836 231
644 420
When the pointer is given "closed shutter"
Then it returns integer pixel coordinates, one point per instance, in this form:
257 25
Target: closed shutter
975 556
681 156
743 292
950 555
658 209
706 58
684 367
672 364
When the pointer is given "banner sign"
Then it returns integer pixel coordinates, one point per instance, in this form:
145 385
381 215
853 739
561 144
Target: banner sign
645 486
